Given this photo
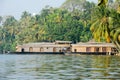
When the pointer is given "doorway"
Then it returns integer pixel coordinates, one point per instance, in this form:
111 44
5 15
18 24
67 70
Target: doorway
22 50
54 49
30 49
41 49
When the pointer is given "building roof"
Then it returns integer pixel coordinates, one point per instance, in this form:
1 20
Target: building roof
95 44
64 42
43 44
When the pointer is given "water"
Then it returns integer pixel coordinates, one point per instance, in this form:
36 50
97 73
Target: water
59 67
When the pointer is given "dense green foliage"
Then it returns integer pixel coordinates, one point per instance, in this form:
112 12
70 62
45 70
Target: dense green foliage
72 21
106 22
49 25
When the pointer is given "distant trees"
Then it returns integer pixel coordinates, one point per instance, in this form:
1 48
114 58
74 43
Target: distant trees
73 5
72 21
0 19
60 24
50 25
7 32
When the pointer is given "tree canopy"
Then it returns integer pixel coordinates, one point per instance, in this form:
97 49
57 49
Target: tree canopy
75 20
106 22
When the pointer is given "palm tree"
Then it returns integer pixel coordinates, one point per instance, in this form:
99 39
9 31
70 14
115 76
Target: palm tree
102 2
115 30
115 35
106 26
100 24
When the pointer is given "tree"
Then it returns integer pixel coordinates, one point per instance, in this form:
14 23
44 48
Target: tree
102 2
0 19
100 25
8 32
106 25
115 30
69 22
72 5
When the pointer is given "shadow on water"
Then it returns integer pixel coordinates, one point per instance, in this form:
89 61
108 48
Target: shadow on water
59 67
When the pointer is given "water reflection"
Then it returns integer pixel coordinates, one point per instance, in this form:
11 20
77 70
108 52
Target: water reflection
59 67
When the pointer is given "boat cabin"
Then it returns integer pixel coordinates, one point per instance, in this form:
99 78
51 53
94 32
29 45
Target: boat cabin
58 46
93 47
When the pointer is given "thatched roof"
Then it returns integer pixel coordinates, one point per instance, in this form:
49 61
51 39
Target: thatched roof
42 44
95 44
64 42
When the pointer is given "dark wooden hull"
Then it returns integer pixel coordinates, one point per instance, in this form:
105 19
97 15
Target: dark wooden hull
91 53
61 53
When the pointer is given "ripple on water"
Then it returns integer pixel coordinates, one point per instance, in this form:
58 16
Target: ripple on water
59 67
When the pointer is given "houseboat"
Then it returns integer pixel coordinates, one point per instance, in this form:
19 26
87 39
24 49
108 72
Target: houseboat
66 47
45 47
93 48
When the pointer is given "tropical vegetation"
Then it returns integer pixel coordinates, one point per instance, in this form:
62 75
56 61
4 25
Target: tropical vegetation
74 20
106 25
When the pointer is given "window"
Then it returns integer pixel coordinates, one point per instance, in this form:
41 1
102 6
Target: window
60 51
75 50
41 49
30 49
103 49
114 50
88 49
97 49
54 49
